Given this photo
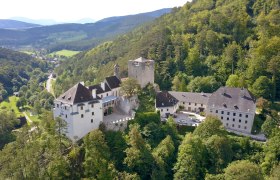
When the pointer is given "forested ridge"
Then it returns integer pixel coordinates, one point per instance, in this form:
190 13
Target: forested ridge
198 47
16 69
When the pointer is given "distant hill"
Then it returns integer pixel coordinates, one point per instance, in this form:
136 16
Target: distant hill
75 36
13 24
43 22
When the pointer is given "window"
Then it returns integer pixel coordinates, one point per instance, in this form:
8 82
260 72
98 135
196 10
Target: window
238 126
233 119
82 107
228 113
183 102
66 116
101 96
227 124
107 94
65 107
227 118
82 116
167 109
222 117
240 120
245 127
232 125
217 111
246 116
234 114
91 120
92 113
194 104
240 115
161 110
189 103
222 112
92 105
246 122
57 105
201 105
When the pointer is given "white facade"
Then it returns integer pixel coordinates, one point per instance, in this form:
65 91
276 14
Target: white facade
84 108
234 120
235 107
80 118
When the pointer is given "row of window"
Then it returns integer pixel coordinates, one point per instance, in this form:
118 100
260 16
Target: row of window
245 127
234 114
82 115
195 104
233 119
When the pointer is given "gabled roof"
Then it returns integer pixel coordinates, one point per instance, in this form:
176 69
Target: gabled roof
164 99
76 94
237 99
99 89
200 98
113 82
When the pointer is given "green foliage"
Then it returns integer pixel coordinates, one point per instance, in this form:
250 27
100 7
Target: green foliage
203 84
145 118
243 170
211 126
130 87
97 156
7 124
191 159
138 155
262 87
219 153
268 125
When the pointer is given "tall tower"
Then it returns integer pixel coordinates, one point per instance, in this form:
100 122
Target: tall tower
142 70
117 70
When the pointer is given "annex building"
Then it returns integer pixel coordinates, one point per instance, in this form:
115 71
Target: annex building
235 107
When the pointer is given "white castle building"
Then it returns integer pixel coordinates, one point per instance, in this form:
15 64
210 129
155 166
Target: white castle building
235 107
85 108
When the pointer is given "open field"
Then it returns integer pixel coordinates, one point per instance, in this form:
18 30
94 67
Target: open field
10 105
67 53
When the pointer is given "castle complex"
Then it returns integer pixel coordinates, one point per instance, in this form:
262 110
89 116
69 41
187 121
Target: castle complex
85 108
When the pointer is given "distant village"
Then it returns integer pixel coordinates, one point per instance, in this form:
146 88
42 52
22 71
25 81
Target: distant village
85 108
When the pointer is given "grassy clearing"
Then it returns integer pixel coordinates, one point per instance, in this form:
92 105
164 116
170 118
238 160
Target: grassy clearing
10 105
67 53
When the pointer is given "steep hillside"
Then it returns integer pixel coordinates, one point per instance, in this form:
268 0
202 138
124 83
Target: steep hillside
204 41
75 36
15 70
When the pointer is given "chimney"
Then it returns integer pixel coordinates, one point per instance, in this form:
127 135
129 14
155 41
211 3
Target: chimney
103 85
93 92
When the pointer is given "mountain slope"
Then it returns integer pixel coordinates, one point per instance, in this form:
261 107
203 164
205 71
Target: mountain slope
13 24
203 38
74 36
15 69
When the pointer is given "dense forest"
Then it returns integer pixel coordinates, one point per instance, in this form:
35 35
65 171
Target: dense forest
148 149
198 47
16 69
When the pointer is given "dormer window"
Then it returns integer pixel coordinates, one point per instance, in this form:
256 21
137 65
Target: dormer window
235 107
63 97
225 105
69 98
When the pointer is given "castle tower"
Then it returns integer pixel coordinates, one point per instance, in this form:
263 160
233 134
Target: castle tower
142 70
117 70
